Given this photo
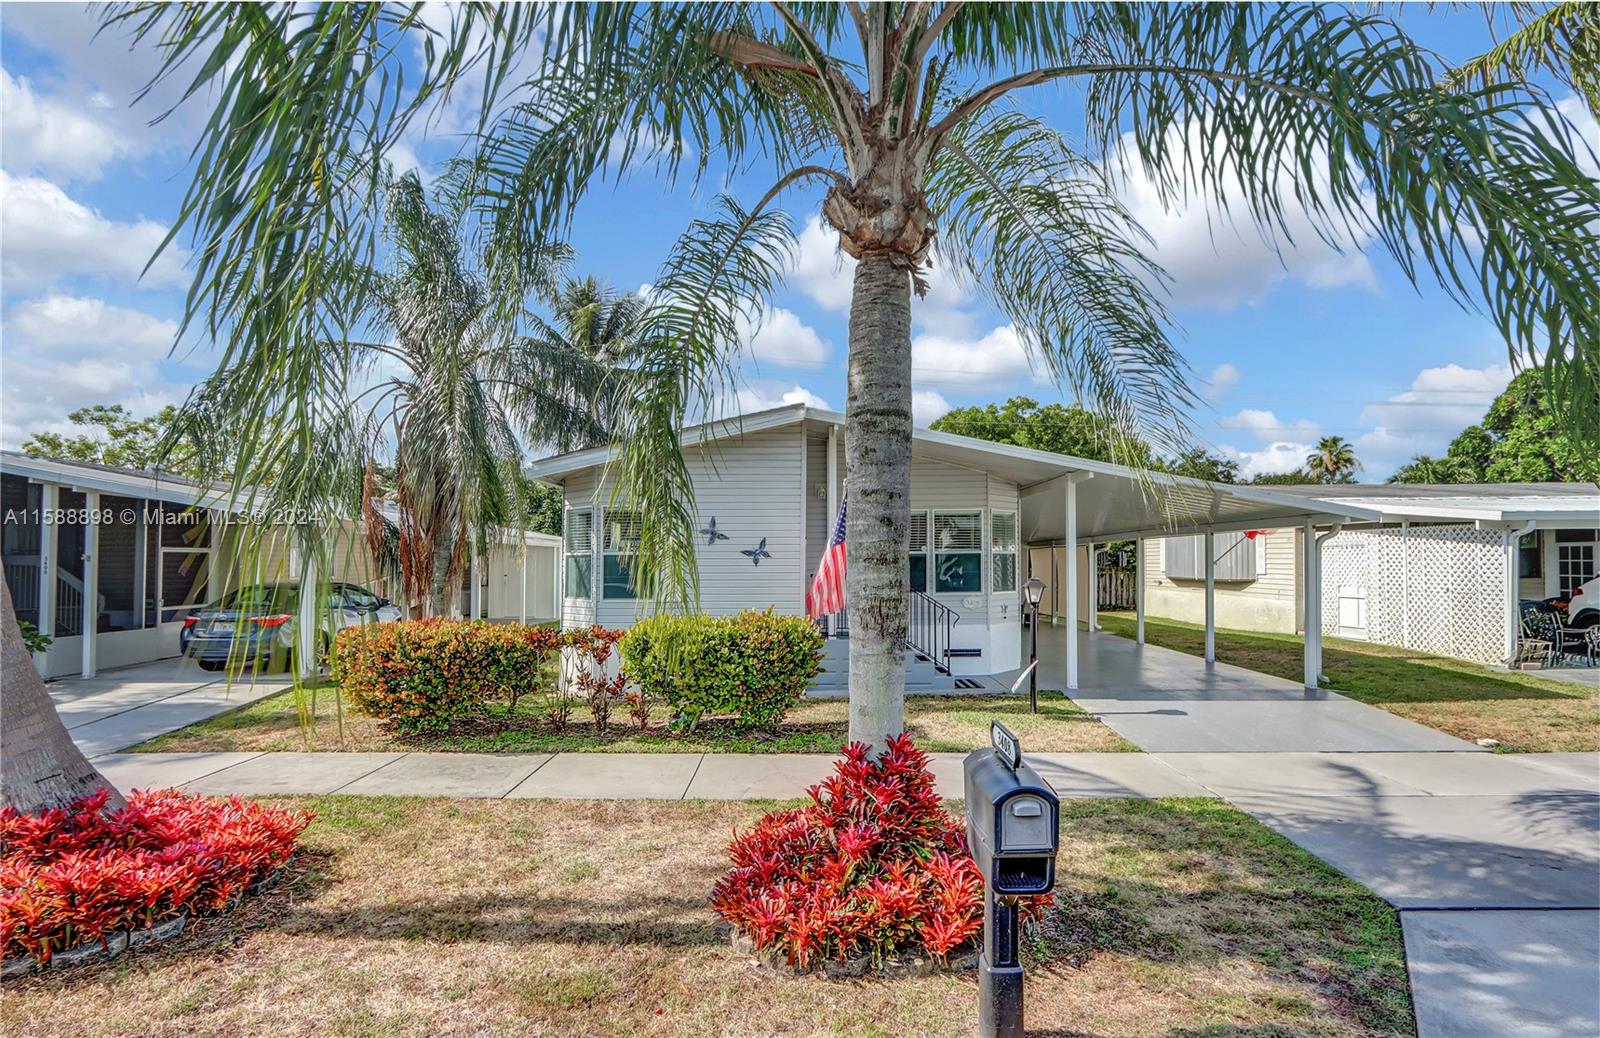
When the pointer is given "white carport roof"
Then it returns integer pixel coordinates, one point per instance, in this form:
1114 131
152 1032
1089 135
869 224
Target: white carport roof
110 479
1114 502
1548 505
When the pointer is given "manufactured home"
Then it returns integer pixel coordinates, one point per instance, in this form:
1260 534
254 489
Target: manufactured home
108 562
985 517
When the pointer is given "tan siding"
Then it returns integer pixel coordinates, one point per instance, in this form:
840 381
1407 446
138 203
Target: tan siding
1268 603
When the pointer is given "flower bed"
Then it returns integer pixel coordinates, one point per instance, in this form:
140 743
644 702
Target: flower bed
81 876
872 872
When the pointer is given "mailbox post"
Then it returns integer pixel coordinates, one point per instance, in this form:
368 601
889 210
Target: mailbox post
1013 822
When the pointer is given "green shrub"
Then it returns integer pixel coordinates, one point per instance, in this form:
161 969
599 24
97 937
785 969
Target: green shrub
753 666
423 675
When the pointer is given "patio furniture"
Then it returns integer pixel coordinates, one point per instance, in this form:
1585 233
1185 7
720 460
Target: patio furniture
1541 634
1591 644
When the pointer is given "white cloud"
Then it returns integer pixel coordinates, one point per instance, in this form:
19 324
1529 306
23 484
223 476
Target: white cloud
783 339
1280 456
1266 426
764 396
45 236
928 406
1586 131
1221 382
54 135
1426 417
65 352
995 360
1220 262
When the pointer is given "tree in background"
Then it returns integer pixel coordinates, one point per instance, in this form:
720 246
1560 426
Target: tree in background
1522 439
1063 429
114 437
1334 461
1294 477
905 113
1198 464
1427 469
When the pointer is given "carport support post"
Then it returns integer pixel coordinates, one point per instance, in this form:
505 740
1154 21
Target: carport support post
1313 606
91 577
1138 591
1211 597
1094 588
49 503
524 580
309 614
1071 537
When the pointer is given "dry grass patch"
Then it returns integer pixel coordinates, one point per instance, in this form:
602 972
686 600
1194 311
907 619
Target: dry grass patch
1523 711
429 917
317 720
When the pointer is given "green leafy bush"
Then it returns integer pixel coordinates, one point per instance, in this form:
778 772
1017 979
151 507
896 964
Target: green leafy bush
423 675
753 666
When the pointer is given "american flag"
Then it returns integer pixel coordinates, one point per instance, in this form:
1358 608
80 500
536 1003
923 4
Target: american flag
826 594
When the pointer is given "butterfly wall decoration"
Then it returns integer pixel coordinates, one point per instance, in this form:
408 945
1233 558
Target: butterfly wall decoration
712 534
757 553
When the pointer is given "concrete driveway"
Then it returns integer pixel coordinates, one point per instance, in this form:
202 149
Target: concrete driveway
122 707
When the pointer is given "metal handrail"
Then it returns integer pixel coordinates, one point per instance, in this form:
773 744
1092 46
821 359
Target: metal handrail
929 629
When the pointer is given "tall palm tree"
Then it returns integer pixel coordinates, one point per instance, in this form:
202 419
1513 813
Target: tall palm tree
1334 460
904 113
466 382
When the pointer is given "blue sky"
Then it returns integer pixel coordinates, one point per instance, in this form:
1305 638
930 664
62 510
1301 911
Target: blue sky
1289 346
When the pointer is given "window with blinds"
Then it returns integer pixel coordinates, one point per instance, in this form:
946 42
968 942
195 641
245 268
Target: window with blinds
619 541
919 551
1236 557
579 534
957 551
1003 550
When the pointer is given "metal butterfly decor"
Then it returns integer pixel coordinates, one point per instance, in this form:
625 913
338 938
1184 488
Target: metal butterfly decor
713 535
757 553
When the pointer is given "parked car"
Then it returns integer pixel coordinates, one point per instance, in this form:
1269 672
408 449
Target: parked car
257 626
1583 605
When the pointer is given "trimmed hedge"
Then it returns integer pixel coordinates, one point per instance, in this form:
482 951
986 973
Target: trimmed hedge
753 666
423 675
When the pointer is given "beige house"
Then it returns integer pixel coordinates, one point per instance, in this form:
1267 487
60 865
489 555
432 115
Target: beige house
1443 570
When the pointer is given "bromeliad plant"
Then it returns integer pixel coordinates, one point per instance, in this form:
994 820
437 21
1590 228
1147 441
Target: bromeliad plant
873 867
81 874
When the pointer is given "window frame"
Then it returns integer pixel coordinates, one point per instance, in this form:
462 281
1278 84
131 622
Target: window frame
940 554
926 550
571 554
629 592
996 551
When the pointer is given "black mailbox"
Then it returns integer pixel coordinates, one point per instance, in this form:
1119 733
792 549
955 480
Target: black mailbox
1013 826
1013 817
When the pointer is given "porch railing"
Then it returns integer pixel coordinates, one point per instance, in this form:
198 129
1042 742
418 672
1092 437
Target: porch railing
929 630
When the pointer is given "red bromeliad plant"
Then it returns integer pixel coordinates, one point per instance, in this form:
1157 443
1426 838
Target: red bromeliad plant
873 867
79 874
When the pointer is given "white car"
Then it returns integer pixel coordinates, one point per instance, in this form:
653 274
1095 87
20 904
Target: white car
1583 606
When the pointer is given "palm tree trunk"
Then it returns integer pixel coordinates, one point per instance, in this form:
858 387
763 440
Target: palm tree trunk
41 767
442 591
877 444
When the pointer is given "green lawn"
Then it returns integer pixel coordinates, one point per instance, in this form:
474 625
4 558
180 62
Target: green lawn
317 720
410 918
1525 712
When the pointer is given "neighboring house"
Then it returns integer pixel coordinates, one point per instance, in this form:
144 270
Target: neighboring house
164 545
983 515
1443 571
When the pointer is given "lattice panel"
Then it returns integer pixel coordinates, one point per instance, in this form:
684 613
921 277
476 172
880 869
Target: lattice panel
1438 589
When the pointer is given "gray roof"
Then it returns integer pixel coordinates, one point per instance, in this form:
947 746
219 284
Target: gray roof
1552 504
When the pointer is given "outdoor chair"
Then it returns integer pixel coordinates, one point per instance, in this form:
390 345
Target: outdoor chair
1541 634
1591 645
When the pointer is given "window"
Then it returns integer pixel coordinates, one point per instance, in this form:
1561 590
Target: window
1530 559
957 551
1574 566
919 551
1236 558
619 542
1003 546
183 558
579 536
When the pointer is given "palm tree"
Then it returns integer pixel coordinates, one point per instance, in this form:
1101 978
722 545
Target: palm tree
903 112
468 381
1334 460
1427 469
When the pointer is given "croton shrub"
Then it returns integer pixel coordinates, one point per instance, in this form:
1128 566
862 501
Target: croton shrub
752 666
81 874
873 867
424 675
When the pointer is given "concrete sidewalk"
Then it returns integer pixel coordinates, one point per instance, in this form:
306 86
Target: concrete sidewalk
593 776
